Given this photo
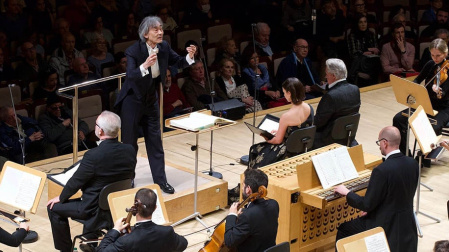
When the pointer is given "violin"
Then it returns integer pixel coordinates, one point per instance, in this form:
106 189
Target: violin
216 243
132 211
441 75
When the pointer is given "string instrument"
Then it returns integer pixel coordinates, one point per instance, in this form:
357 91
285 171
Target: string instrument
441 75
216 243
132 211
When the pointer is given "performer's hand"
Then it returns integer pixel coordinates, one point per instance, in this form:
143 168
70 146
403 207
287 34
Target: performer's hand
151 60
53 201
341 189
81 135
234 209
191 50
436 89
120 224
24 225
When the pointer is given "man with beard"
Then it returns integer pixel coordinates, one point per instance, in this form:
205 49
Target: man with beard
244 229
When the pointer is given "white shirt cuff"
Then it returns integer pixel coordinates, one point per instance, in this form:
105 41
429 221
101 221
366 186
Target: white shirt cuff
143 70
189 60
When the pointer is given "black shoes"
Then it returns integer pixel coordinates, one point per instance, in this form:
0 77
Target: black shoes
85 247
167 188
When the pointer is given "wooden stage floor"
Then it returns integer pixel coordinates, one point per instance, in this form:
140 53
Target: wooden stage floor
377 110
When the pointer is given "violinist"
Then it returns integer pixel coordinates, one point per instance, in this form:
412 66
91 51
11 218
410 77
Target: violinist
146 235
253 228
437 87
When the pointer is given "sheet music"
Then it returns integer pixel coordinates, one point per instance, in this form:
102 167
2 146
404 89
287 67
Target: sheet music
334 167
197 121
269 125
376 243
158 216
19 188
65 176
423 131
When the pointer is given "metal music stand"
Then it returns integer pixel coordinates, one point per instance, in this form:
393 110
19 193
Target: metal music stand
196 215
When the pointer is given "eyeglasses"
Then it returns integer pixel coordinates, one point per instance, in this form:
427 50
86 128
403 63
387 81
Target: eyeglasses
98 126
55 108
378 141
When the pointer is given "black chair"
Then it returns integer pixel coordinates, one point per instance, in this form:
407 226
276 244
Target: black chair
104 205
281 247
345 128
445 130
300 141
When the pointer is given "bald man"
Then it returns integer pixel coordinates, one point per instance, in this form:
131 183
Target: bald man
388 201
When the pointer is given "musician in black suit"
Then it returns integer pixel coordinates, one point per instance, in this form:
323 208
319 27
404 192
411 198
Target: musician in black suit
111 161
146 235
341 99
16 238
388 201
137 101
255 227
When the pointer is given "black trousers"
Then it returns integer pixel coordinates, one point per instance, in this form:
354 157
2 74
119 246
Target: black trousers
400 122
60 224
135 113
350 228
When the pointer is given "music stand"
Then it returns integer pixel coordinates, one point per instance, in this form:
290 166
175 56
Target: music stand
196 215
427 139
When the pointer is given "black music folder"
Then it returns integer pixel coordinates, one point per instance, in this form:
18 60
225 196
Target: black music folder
260 132
62 178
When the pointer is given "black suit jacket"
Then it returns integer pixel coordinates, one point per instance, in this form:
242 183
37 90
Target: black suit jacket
341 100
255 229
389 201
146 236
111 161
14 239
143 86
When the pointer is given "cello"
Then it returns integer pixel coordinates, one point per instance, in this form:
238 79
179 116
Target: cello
216 243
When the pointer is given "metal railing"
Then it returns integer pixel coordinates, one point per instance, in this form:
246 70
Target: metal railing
74 99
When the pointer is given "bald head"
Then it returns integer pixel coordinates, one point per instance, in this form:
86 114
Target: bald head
392 135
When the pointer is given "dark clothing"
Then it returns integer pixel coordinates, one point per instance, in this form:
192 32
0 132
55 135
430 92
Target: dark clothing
341 100
40 93
172 95
389 203
14 239
429 32
440 105
28 73
326 28
144 236
255 229
6 72
137 102
198 96
110 162
194 15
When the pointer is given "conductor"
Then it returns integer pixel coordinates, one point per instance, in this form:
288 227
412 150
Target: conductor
137 101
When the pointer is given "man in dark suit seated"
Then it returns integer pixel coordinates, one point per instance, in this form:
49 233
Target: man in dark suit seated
388 201
146 235
255 227
110 162
340 100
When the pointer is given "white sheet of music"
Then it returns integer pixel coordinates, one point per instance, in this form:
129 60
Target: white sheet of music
424 131
65 176
19 188
334 167
158 216
376 243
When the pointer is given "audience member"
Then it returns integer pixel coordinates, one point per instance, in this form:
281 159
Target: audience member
81 73
36 145
6 71
296 19
426 57
341 99
196 89
13 22
441 246
174 101
97 30
42 17
298 65
262 38
226 48
61 27
77 14
146 234
233 85
199 14
430 15
168 22
274 149
56 124
363 50
32 64
107 9
439 23
130 27
400 18
48 83
330 26
396 10
4 45
110 162
63 56
38 40
358 8
100 55
398 55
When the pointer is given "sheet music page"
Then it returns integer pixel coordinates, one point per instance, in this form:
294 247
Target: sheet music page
196 121
269 125
64 177
158 216
19 189
376 243
334 167
424 131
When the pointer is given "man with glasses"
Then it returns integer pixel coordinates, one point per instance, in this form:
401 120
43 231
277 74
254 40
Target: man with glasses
56 123
32 64
388 201
298 65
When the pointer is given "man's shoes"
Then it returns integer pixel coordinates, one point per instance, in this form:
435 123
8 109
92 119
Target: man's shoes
167 188
86 247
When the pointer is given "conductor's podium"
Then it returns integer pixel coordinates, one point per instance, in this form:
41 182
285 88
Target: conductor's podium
308 214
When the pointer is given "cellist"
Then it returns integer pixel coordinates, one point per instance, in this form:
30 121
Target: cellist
146 235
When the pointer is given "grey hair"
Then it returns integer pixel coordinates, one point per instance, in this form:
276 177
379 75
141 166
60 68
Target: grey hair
148 23
337 67
260 26
439 44
110 123
4 113
441 31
